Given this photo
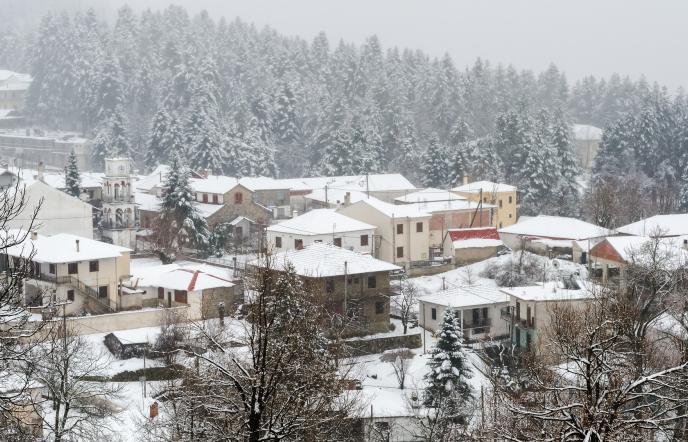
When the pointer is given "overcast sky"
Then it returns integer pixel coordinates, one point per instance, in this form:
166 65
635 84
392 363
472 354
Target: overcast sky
582 37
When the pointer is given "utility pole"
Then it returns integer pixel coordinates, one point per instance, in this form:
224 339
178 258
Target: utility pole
346 287
327 201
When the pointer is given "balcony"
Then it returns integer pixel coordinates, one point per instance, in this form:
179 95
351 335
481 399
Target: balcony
481 327
117 198
509 314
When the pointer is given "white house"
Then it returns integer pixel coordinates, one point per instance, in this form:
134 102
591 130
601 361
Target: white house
477 307
322 226
78 271
59 212
543 233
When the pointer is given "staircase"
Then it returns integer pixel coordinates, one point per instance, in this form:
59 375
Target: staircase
95 304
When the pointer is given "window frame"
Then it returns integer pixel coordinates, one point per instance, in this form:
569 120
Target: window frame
372 278
72 266
364 240
400 252
278 242
400 229
380 307
94 266
419 227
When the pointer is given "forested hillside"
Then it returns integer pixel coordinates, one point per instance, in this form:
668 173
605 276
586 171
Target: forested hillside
244 101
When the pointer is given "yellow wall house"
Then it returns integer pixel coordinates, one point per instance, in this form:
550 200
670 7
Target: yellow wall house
79 273
503 196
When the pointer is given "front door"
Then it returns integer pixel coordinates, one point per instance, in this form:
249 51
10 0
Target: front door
161 293
103 291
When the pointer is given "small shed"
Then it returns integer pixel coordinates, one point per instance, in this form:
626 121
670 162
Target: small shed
468 246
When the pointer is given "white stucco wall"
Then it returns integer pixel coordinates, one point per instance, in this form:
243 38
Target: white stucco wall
350 240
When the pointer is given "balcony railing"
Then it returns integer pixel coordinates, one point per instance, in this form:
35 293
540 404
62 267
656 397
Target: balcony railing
46 277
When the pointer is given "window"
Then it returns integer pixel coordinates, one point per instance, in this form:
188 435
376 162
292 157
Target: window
205 197
298 244
338 242
379 308
382 427
329 285
73 268
216 200
70 295
52 269
372 282
400 229
364 240
239 232
180 296
93 266
500 224
103 291
433 313
518 310
161 293
500 204
510 200
509 215
517 336
419 227
238 198
400 252
278 242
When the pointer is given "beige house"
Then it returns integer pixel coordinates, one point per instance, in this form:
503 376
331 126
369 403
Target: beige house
478 309
529 312
503 196
448 211
82 273
403 230
205 289
467 246
351 283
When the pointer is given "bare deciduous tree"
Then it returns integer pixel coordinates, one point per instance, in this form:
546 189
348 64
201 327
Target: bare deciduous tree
399 359
405 302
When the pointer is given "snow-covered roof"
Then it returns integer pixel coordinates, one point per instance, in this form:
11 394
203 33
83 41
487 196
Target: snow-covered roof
429 194
476 243
153 179
335 196
485 186
321 260
61 248
374 183
629 247
320 222
555 227
586 132
256 183
664 225
550 291
176 277
214 184
469 296
396 210
239 219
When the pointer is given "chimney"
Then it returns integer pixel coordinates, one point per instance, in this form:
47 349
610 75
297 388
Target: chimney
347 199
465 180
40 169
77 245
204 173
34 235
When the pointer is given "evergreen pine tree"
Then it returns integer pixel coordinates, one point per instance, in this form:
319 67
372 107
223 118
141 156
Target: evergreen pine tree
180 225
72 178
118 139
567 189
485 163
435 164
99 149
206 148
538 177
155 149
448 374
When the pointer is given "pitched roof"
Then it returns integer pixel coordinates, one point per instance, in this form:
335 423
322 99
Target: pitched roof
320 222
374 182
555 227
485 186
429 194
395 210
467 296
473 233
665 225
335 196
630 247
60 248
321 260
176 277
214 184
151 203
